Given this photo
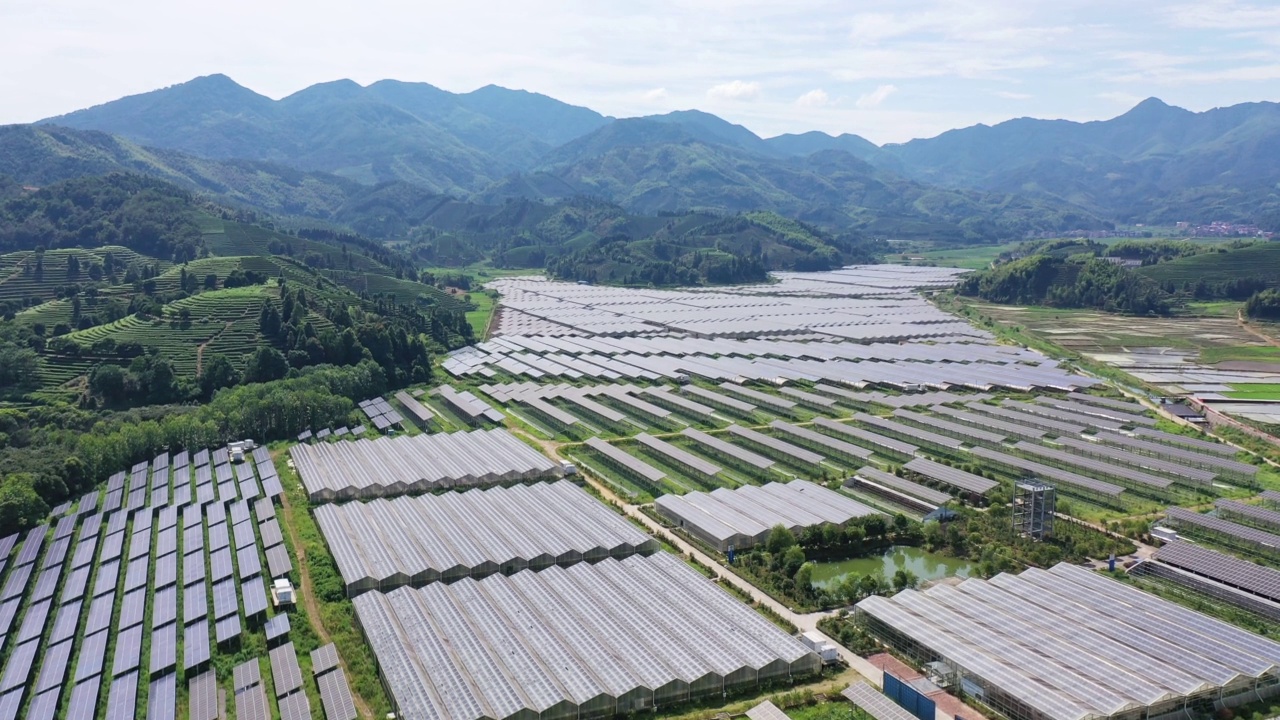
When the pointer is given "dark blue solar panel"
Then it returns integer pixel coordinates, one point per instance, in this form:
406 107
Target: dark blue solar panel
34 621
218 536
100 611
89 528
84 700
140 544
122 700
255 597
76 585
132 607
31 545
44 706
93 652
193 568
162 698
244 535
8 611
224 599
114 501
57 553
66 525
136 575
166 571
195 645
228 628
220 564
18 669
248 562
46 584
54 668
108 575
64 624
16 584
195 602
84 552
164 648
164 606
128 650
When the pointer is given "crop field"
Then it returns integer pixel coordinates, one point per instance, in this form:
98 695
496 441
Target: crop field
1261 261
235 239
403 290
1255 391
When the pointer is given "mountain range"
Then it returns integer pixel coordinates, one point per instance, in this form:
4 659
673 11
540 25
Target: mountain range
333 147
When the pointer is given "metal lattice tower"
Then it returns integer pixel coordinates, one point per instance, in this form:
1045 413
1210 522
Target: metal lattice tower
1034 504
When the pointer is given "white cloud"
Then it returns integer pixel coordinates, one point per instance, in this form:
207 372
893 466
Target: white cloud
736 90
1007 95
656 95
1121 98
814 98
1224 15
876 97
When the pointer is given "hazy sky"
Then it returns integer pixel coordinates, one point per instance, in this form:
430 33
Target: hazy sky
888 71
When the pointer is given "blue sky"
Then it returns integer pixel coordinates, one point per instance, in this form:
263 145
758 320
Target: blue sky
886 71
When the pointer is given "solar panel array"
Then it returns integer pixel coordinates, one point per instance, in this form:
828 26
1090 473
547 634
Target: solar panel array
953 477
1250 577
250 693
467 405
380 413
1071 644
1073 481
1227 467
874 703
605 638
685 460
399 465
1233 533
1250 514
383 544
876 477
745 516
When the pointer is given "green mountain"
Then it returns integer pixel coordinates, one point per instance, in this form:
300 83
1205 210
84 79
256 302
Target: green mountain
133 273
1154 164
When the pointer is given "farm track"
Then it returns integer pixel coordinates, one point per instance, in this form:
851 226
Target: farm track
307 591
1244 325
200 348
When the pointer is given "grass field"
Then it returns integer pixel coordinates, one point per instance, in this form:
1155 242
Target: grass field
479 317
973 258
1259 353
1255 391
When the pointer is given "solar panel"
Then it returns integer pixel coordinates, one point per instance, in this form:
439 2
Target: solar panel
285 672
295 707
954 477
271 487
117 522
57 553
167 541
227 629
164 648
114 501
324 659
34 621
278 562
244 535
10 704
84 700
246 675
239 511
276 627
227 491
31 545
193 540
255 597
136 575
122 699
166 571
132 608
160 497
218 538
84 553
263 509
16 584
89 528
1251 577
214 514
874 703
195 645
64 625
139 544
1265 541
1046 472
88 502
162 698
182 495
202 696
252 704
100 611
44 706
224 599
193 568
53 671
220 564
191 517
928 495
112 547
335 695
271 535
93 653
247 562
18 669
46 584
128 650
164 606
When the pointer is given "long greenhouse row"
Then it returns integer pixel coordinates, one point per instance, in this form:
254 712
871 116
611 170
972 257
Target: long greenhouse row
591 640
1069 644
398 465
383 544
744 517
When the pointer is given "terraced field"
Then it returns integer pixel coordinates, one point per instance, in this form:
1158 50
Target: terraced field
404 290
1261 260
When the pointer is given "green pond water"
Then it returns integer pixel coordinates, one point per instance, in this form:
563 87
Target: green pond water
921 563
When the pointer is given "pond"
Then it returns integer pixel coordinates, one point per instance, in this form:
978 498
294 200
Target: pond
923 564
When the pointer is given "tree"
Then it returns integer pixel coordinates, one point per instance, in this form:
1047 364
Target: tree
21 507
210 282
74 473
216 373
109 382
780 539
792 560
265 364
804 577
